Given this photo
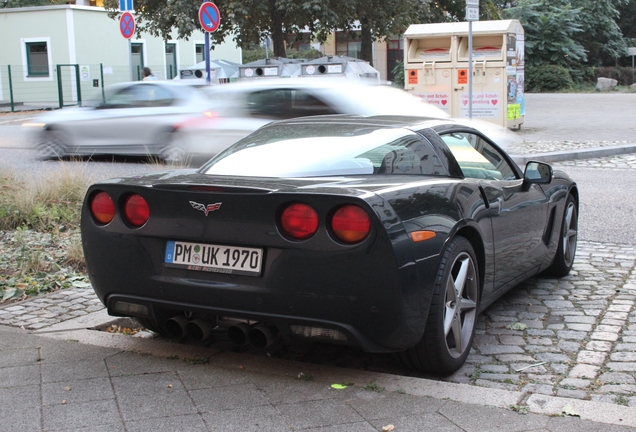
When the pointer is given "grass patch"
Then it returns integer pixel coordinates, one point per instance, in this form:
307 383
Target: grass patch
374 387
40 244
48 202
40 241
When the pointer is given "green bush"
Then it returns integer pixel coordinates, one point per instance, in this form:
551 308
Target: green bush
620 73
548 78
398 74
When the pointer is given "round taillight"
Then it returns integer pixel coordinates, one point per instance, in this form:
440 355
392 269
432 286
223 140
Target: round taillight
102 208
299 221
351 224
136 210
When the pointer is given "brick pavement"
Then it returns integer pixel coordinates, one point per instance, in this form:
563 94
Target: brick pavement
572 337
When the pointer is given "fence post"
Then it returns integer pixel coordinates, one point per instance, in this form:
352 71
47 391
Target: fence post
101 76
60 96
10 89
78 85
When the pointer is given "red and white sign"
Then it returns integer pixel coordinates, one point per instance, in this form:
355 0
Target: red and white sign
127 25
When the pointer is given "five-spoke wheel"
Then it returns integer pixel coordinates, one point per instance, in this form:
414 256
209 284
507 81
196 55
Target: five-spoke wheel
452 317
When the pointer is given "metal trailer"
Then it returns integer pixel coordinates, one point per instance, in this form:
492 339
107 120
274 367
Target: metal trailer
221 71
270 68
339 66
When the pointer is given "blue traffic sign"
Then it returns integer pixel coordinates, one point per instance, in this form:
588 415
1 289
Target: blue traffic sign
126 5
209 17
127 25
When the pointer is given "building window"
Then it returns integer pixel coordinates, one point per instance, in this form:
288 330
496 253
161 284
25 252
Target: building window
301 42
199 53
37 57
171 60
349 44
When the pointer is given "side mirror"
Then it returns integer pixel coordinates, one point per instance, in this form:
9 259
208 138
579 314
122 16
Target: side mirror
537 172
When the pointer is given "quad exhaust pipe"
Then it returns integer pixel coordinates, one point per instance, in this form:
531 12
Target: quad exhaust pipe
237 333
258 335
179 327
261 336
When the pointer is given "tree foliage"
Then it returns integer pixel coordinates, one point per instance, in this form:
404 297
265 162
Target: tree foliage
560 32
552 30
377 19
29 3
601 36
247 22
627 20
455 10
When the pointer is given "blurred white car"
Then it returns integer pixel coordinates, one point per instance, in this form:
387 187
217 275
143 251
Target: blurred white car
136 118
240 108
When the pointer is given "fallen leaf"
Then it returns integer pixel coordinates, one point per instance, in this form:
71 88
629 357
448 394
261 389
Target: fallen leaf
242 367
569 410
388 428
517 326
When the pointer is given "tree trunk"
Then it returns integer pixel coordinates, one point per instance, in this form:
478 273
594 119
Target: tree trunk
278 38
366 48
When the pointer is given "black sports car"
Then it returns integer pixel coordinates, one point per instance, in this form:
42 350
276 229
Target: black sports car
388 233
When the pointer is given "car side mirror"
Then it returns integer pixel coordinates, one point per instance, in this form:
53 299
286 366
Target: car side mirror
537 172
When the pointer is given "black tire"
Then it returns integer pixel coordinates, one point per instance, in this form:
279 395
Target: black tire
568 236
54 146
450 326
172 150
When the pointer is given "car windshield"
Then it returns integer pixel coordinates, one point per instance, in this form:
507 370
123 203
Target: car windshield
304 150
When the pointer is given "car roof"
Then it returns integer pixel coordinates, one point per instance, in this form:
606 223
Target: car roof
408 122
314 82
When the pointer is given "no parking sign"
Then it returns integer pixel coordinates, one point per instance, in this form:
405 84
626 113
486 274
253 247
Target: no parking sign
127 25
209 17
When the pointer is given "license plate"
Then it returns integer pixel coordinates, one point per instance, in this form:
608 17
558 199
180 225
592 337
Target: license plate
214 258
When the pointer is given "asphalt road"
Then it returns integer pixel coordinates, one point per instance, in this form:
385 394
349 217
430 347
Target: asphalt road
580 116
607 208
606 213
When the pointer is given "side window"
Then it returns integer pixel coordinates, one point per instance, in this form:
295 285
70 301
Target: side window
477 158
140 96
407 155
272 104
305 104
36 58
151 96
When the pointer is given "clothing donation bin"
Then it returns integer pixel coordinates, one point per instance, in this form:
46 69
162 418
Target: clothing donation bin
436 63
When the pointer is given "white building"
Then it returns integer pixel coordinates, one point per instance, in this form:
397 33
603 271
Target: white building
83 42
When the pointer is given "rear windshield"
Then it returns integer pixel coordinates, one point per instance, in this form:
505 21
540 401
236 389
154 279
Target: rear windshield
314 150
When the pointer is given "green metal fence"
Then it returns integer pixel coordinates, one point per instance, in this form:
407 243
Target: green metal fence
66 85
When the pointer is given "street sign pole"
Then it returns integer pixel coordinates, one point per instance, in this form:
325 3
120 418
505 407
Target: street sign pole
472 14
632 52
210 19
127 29
207 57
130 62
470 69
